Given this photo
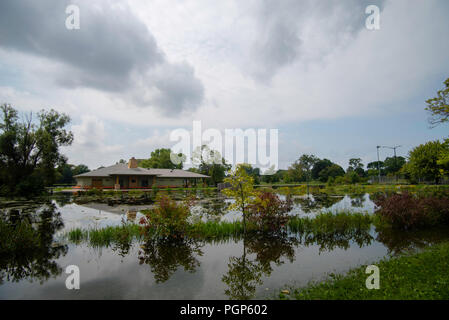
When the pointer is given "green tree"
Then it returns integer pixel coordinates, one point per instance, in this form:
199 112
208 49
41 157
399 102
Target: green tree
29 150
79 169
394 164
438 107
162 159
241 190
211 163
319 166
273 178
301 169
373 168
66 172
351 177
324 169
333 172
253 172
356 165
424 161
443 160
295 173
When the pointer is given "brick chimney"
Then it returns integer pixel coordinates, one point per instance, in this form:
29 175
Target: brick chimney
132 163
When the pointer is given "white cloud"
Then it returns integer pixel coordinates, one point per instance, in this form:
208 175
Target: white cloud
90 146
255 66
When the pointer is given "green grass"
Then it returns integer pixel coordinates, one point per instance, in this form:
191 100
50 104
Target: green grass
328 222
18 238
326 226
423 275
216 230
107 236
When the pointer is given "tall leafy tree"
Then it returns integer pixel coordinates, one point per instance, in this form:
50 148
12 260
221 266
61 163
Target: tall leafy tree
319 166
211 163
241 190
29 150
272 178
424 161
253 172
161 158
356 165
66 172
394 164
373 168
324 169
438 107
332 171
301 169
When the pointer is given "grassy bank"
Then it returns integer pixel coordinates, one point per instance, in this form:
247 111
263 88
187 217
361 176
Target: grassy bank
422 275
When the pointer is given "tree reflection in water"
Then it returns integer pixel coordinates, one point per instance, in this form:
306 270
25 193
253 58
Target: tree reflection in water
316 202
242 277
62 199
357 200
329 241
399 242
27 249
245 274
165 256
213 209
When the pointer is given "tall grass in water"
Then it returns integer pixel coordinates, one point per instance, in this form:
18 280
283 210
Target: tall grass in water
343 223
330 230
216 230
107 236
329 222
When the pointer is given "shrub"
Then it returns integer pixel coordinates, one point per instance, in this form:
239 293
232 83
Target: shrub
136 193
94 192
408 211
268 212
167 219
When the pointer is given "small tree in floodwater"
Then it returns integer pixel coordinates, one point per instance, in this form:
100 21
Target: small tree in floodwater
168 219
268 212
241 190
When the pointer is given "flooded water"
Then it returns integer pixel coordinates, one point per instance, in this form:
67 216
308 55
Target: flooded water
249 267
307 205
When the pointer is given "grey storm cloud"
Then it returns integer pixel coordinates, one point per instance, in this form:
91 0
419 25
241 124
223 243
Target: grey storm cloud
278 42
109 52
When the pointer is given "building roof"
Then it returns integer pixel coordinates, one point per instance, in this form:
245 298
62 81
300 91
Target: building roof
122 169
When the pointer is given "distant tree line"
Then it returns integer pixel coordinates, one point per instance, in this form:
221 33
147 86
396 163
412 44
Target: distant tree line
65 173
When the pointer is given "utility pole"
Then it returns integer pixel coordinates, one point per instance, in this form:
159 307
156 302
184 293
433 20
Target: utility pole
395 160
378 163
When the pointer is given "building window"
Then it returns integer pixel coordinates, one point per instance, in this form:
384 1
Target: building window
144 182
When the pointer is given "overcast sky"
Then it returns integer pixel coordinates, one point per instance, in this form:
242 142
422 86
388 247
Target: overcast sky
137 69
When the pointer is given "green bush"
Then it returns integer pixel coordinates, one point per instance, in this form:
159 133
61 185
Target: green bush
410 211
268 212
95 192
167 219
